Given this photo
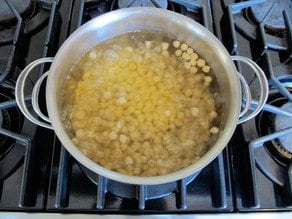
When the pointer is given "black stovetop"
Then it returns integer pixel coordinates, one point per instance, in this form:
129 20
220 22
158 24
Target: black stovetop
38 174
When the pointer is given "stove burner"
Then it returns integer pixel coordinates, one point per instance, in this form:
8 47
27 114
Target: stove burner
283 122
33 15
6 14
268 123
10 119
145 3
271 13
130 191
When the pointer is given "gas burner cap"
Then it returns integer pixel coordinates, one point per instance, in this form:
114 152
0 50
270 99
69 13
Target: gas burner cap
145 3
6 15
283 122
274 20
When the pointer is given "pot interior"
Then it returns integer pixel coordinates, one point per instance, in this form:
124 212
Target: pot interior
148 19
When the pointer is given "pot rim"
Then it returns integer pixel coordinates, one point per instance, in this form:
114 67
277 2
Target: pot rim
212 153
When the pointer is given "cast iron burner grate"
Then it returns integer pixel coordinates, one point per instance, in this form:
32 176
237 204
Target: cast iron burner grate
129 191
18 161
270 14
144 3
14 37
10 119
24 17
266 23
200 11
267 160
206 191
7 17
254 169
276 121
271 151
283 122
25 148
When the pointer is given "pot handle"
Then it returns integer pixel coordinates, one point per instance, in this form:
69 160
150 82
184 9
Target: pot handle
243 117
39 119
247 99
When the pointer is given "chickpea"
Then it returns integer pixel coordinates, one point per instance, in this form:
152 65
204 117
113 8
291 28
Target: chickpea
184 47
176 44
214 130
178 52
195 111
213 114
190 51
113 135
129 160
186 56
123 139
206 69
193 70
201 62
187 65
164 46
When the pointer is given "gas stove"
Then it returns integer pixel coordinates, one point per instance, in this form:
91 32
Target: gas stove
251 177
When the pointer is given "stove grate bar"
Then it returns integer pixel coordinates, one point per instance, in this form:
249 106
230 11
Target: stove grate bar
62 181
258 144
220 200
182 194
52 25
27 193
101 191
270 108
286 56
142 196
12 103
289 186
257 32
261 140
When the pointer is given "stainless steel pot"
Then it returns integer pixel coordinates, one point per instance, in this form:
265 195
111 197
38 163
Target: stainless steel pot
132 19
